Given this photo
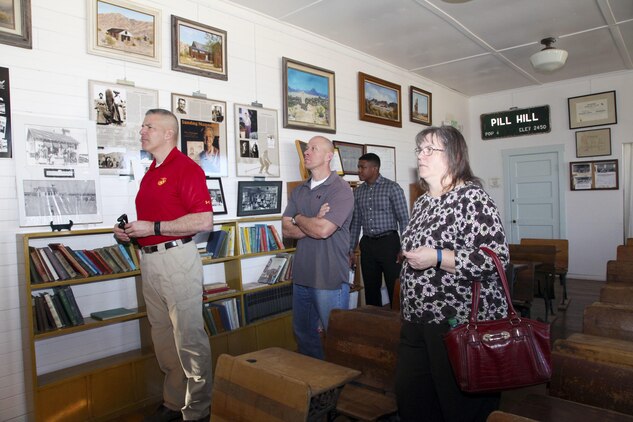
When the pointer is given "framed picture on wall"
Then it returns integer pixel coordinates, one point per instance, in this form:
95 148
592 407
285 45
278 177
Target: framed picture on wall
594 175
387 159
256 141
309 97
593 143
379 101
218 200
198 49
592 110
123 30
350 153
202 132
15 23
420 109
6 143
258 198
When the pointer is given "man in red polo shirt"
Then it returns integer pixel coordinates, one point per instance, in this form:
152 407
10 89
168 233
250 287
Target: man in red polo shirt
172 204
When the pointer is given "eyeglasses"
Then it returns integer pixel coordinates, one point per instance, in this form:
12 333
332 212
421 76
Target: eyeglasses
427 150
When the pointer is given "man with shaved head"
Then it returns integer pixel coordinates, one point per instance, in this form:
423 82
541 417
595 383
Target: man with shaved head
318 215
173 204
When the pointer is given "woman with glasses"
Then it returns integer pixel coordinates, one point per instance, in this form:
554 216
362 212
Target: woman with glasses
448 225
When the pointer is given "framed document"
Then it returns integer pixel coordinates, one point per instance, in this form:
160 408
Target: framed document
594 175
593 143
592 110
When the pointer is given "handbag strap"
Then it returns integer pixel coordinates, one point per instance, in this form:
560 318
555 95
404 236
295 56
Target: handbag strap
476 288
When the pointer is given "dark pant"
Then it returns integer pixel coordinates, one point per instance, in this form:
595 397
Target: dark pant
425 385
378 257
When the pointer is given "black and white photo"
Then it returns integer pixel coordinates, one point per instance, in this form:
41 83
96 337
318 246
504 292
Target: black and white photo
258 198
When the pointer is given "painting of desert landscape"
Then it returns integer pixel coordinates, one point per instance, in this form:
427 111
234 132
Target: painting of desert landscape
381 102
309 97
7 14
201 49
125 29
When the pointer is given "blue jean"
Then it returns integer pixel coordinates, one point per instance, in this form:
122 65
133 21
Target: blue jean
309 306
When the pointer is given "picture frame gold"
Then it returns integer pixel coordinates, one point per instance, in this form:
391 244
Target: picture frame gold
137 39
198 49
372 105
309 97
15 25
350 153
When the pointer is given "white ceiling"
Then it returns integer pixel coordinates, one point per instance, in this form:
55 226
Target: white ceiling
476 47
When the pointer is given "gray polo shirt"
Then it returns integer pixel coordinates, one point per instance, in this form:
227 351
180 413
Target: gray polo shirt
323 263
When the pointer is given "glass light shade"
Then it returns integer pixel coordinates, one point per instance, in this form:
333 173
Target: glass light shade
549 59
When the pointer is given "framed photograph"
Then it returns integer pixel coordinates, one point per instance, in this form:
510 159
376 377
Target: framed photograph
56 170
258 198
256 141
202 132
593 143
301 149
123 30
592 110
309 97
198 49
337 164
420 106
594 175
15 23
218 200
387 159
379 101
6 145
350 153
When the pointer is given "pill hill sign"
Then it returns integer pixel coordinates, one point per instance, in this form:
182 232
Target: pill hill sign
518 122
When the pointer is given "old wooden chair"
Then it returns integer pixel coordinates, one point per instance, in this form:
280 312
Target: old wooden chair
561 263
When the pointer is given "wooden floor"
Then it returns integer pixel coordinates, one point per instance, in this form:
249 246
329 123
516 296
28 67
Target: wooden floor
581 292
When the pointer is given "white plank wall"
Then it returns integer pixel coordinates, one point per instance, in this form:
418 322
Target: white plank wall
52 80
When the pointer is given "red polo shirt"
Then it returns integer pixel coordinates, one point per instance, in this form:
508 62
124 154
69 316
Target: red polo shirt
175 188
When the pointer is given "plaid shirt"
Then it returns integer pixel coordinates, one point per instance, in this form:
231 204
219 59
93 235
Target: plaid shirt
378 208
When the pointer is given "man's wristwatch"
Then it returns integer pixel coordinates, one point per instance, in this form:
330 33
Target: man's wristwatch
157 228
293 221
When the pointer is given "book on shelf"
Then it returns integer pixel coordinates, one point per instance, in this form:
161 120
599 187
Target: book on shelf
92 268
227 318
110 262
209 319
43 315
120 260
64 262
112 313
70 304
98 261
35 276
127 255
50 269
276 237
36 259
230 240
134 254
216 315
214 243
53 310
70 258
66 321
272 270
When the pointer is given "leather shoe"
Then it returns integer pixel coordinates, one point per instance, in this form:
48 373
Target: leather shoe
164 414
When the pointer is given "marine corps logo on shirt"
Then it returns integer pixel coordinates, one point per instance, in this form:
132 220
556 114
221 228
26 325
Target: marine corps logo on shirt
162 181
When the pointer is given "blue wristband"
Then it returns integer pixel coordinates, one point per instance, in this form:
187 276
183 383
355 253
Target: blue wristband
439 258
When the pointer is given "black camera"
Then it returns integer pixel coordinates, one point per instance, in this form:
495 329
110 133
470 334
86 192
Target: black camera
122 221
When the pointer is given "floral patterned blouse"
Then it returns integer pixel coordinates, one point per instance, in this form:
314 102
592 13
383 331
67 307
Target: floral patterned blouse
462 220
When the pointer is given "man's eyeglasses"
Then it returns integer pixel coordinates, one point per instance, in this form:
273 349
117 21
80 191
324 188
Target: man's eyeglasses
427 150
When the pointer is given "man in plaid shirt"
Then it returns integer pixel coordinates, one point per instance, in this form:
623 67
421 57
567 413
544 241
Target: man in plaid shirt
380 209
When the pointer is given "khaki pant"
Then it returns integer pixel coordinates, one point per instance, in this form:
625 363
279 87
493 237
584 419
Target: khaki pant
172 288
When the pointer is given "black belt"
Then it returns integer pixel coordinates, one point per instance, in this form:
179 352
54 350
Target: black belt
166 245
381 235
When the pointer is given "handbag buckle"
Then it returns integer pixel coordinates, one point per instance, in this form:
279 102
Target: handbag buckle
490 337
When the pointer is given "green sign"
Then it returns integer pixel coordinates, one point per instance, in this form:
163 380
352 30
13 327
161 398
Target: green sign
517 122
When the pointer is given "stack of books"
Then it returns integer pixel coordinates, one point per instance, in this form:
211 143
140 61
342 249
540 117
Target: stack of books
212 290
260 238
56 310
222 315
58 262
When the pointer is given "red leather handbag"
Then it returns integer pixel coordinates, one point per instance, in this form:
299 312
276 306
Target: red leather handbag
501 354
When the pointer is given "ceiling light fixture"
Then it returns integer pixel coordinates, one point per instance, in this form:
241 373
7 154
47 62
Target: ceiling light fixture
550 58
